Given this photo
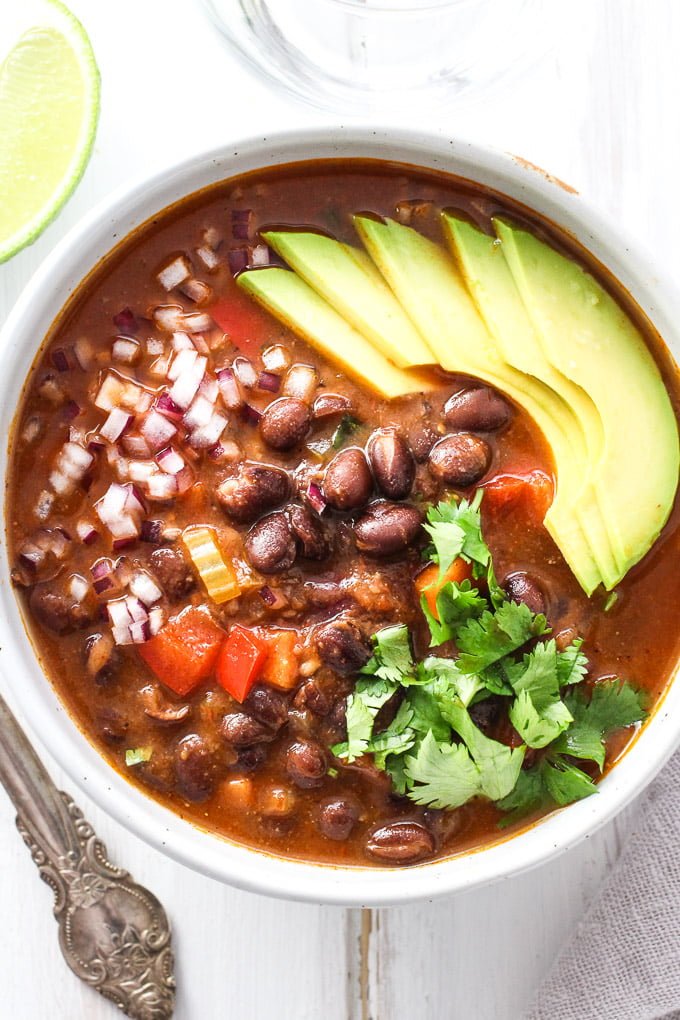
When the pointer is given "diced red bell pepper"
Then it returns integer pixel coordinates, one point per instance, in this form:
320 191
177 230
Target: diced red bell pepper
535 490
240 661
244 322
184 651
281 666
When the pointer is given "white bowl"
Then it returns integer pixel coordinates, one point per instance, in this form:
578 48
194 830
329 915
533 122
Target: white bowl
60 275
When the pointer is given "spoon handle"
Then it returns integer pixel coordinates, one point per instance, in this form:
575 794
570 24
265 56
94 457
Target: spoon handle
113 933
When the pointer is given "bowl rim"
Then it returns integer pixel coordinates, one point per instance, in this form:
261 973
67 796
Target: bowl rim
50 288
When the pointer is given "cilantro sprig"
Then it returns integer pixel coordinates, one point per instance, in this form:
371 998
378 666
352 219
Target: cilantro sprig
432 748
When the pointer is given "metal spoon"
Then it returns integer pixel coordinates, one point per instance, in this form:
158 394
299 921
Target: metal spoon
114 933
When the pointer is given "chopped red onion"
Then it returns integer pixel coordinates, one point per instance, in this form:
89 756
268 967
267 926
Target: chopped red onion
101 568
199 413
152 532
102 585
185 480
119 509
272 599
154 347
31 556
238 260
32 430
197 322
174 273
250 415
76 435
199 343
182 342
135 445
212 237
134 501
156 620
123 571
115 391
116 424
241 224
301 382
126 321
186 383
170 461
205 436
162 487
125 350
167 406
276 358
229 388
327 404
43 507
136 609
70 467
269 382
83 353
157 430
141 471
71 410
86 532
209 388
51 390
208 257
197 291
60 360
78 587
315 498
145 588
122 635
118 611
245 373
117 463
226 449
140 632
159 368
260 255
183 361
169 318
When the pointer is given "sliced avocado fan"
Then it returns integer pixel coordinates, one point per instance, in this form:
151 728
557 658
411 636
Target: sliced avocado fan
588 337
425 280
294 303
482 264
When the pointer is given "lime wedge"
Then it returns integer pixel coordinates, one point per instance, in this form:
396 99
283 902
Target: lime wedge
49 106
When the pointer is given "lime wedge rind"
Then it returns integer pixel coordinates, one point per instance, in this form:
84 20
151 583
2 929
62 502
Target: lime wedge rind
53 15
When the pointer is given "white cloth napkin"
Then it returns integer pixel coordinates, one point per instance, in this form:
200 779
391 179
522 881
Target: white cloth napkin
623 962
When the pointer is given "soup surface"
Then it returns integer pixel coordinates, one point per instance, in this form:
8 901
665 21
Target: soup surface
264 589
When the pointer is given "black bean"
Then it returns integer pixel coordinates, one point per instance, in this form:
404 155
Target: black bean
242 730
393 465
112 724
421 437
460 459
387 528
267 705
487 714
269 545
400 842
480 410
313 697
172 572
57 611
337 818
285 423
342 646
306 764
254 489
348 482
521 587
196 769
250 758
309 532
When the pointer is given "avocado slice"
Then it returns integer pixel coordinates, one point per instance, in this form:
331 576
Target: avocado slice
347 279
588 337
424 279
482 264
295 304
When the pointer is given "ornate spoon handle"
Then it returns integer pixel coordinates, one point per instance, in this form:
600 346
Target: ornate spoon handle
114 933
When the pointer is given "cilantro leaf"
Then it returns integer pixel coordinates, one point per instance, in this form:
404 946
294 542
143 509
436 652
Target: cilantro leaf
449 681
612 706
498 764
484 641
363 705
456 530
426 712
446 775
457 602
565 783
572 664
397 738
538 714
552 781
392 658
529 794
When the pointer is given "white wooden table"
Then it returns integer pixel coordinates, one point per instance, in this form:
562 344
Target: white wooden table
600 113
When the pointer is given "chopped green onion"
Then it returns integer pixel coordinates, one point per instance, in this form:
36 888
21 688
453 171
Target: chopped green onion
347 427
611 600
137 755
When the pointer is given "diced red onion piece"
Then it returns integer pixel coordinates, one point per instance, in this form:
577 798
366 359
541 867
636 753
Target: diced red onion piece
60 360
208 257
125 350
183 361
152 532
122 635
209 388
116 424
226 449
327 404
51 390
83 353
43 507
301 382
267 595
142 470
186 384
118 611
207 435
159 368
170 461
78 588
123 571
197 322
115 510
182 342
238 260
199 413
260 255
154 346
245 372
162 487
86 532
229 388
157 430
134 503
276 358
184 479
250 414
140 632
101 568
174 273
126 321
199 343
169 318
315 498
31 556
156 620
71 410
102 585
136 609
167 406
269 382
145 588
135 445
241 224
196 291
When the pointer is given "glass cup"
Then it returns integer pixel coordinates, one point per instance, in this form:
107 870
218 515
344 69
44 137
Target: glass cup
364 55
